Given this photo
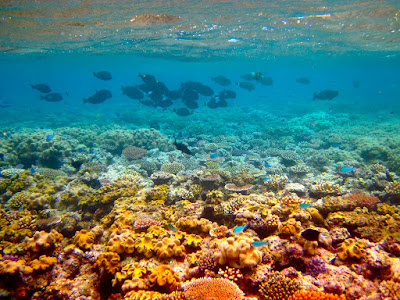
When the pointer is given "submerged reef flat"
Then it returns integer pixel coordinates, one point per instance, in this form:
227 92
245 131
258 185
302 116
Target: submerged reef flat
291 211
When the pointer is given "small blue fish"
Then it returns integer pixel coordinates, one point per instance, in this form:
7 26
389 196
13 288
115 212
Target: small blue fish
50 137
335 145
346 170
239 229
198 111
305 205
214 155
258 243
267 165
265 178
172 227
32 170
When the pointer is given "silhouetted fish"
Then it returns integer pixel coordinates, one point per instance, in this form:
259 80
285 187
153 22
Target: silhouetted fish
326 95
98 97
182 147
132 92
148 79
303 80
1 157
200 88
222 80
52 97
246 85
183 112
189 98
174 94
227 94
41 87
266 80
103 75
310 234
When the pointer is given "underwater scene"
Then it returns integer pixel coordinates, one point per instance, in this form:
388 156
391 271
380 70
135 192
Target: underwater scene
200 150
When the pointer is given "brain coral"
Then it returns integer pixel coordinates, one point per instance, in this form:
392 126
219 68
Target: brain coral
212 288
237 251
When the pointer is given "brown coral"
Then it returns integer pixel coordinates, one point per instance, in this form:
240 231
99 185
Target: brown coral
84 239
278 286
133 152
315 295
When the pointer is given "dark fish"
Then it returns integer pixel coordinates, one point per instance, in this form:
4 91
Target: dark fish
1 157
200 88
227 94
303 80
132 92
246 85
148 79
183 112
165 103
175 94
326 95
182 147
222 80
52 97
103 75
98 97
247 77
310 234
189 98
41 87
216 102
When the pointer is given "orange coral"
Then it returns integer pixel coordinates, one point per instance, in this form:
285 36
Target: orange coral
43 262
212 288
144 244
9 267
169 247
164 276
42 240
315 295
108 261
363 200
84 239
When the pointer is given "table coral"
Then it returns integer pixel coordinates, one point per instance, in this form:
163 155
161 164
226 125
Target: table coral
212 288
237 252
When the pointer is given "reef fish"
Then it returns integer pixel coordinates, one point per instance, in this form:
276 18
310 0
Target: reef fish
183 112
49 137
326 95
305 205
103 75
246 85
98 97
52 97
41 87
148 79
239 229
310 234
132 92
182 147
258 243
303 80
222 80
200 88
1 157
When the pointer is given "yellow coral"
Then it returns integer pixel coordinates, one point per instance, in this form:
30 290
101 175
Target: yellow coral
144 244
164 276
43 262
169 247
122 243
237 252
84 239
192 240
290 227
351 248
108 261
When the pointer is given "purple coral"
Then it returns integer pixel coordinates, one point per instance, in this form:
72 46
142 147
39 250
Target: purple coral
11 257
315 266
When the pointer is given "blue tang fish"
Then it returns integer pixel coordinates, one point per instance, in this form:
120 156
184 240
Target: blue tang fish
50 137
258 243
214 155
239 229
